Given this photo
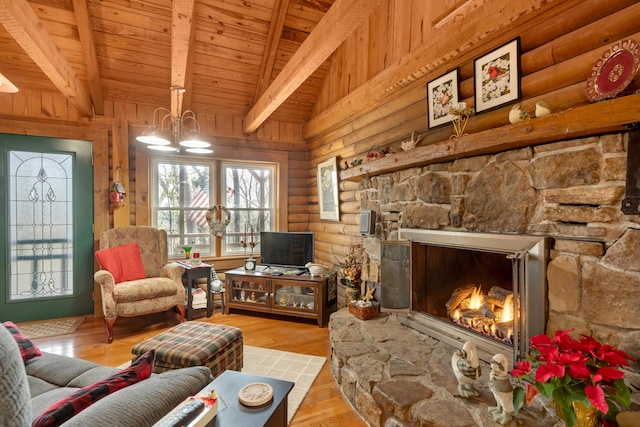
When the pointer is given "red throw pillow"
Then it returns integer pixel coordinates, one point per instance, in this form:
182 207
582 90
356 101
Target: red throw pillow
123 262
65 408
28 350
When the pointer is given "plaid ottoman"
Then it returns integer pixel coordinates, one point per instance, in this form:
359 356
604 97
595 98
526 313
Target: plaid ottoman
218 347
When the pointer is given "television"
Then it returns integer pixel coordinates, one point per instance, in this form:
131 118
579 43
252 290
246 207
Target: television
286 249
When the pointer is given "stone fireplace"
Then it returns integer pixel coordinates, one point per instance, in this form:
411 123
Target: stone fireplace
486 288
567 192
566 196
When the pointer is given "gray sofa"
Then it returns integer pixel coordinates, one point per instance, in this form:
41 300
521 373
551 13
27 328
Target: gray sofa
26 389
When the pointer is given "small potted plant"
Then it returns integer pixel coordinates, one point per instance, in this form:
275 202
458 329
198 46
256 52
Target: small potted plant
580 376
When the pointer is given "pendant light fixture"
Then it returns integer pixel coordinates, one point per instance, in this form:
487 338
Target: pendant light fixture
182 132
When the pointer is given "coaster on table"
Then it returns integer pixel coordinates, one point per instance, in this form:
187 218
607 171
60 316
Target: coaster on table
255 394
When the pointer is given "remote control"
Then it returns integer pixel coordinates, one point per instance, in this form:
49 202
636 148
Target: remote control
184 415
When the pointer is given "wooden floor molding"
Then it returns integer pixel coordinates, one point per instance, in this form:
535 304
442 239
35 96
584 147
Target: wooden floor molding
324 406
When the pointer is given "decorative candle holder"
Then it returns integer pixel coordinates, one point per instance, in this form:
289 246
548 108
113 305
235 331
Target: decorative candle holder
459 117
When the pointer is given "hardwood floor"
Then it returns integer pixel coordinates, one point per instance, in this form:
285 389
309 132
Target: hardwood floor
324 405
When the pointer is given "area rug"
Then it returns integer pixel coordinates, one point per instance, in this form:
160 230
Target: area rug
50 328
300 369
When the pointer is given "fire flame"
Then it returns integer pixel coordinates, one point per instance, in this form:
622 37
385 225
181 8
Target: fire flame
507 311
476 299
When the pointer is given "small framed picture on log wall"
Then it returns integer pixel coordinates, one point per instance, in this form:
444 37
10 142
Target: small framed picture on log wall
442 94
327 177
497 77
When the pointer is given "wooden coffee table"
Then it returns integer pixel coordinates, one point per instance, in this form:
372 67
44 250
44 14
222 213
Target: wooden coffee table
272 414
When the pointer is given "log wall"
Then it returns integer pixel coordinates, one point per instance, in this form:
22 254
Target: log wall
367 102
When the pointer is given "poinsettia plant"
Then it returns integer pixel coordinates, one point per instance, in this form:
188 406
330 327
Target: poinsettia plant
567 370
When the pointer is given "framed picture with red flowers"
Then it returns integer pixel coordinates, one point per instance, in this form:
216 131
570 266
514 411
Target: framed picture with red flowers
497 77
442 94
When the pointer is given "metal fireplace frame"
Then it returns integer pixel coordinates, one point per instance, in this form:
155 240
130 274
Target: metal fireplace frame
530 255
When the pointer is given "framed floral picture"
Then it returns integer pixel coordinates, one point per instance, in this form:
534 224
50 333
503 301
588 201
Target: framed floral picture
442 94
497 77
327 178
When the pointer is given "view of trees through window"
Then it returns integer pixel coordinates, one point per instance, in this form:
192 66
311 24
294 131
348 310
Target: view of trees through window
249 198
183 193
182 199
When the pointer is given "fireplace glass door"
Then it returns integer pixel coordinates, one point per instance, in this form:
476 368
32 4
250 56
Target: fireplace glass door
468 288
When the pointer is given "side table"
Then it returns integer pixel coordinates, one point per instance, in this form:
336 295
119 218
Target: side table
272 414
191 274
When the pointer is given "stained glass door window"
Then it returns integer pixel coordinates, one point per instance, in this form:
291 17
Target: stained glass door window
40 224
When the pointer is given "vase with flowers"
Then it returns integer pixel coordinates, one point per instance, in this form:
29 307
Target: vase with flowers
351 271
582 377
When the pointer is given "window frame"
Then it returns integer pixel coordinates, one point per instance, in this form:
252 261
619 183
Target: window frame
216 193
273 168
189 161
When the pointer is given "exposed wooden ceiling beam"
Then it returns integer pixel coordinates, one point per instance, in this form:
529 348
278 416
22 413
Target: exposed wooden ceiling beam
182 40
24 26
85 32
271 47
338 23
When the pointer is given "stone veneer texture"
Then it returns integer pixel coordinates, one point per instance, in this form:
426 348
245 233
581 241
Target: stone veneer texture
570 191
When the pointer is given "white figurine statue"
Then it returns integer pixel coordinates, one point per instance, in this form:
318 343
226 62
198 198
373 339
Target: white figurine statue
466 367
502 389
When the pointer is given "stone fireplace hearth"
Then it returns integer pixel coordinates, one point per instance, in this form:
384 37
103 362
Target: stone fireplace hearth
395 376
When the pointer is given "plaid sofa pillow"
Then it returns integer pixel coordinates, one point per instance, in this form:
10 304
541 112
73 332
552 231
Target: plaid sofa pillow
65 408
28 350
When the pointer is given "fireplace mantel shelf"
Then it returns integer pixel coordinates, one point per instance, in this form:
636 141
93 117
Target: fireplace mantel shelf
593 119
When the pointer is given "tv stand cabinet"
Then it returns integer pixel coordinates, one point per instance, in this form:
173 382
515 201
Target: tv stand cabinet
290 295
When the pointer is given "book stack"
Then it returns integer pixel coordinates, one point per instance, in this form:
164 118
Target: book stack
199 299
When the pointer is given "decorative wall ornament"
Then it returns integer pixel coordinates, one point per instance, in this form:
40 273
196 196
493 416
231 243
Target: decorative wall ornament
442 95
497 77
614 70
218 225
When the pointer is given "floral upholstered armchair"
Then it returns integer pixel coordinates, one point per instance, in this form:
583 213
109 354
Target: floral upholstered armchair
135 278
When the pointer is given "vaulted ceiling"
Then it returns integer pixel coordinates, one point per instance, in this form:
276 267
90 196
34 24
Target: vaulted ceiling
227 54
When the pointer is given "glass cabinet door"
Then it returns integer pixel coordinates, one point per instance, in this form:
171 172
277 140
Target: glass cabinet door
294 296
250 291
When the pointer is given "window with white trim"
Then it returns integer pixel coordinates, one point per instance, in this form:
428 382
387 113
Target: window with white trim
181 197
185 188
250 198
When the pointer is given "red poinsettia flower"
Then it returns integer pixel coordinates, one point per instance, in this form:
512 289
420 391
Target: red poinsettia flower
521 368
566 370
595 394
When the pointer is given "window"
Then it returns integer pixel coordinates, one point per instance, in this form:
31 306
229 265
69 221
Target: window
250 200
182 194
184 189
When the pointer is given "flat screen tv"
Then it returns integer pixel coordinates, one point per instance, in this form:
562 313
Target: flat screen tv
286 249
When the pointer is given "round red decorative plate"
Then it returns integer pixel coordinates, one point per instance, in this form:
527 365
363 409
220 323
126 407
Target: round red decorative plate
614 70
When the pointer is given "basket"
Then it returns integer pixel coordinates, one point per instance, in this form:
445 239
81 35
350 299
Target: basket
365 313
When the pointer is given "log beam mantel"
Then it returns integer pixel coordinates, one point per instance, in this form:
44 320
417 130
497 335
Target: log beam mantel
593 119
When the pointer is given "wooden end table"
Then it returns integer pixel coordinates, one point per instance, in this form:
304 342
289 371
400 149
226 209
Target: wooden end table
191 274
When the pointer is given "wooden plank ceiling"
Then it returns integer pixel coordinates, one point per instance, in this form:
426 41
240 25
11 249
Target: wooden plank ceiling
225 53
